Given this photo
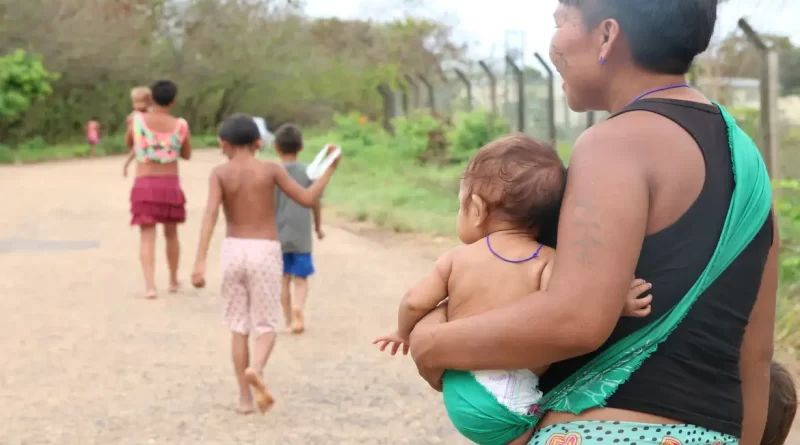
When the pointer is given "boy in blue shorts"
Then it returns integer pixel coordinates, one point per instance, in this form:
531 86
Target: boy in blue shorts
294 230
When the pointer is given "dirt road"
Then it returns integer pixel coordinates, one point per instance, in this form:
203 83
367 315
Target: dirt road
85 360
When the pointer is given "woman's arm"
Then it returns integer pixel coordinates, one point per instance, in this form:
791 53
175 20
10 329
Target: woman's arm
602 225
757 347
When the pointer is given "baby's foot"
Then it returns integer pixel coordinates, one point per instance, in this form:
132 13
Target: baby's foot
298 325
264 399
151 294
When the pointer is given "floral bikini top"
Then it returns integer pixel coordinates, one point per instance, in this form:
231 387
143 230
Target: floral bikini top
157 147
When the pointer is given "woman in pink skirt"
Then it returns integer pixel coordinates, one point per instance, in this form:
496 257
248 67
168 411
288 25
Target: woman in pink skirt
158 139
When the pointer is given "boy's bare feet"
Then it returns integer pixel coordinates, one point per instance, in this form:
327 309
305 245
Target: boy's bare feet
174 287
245 406
151 294
264 399
298 325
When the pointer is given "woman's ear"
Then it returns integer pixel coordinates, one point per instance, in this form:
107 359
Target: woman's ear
480 209
610 33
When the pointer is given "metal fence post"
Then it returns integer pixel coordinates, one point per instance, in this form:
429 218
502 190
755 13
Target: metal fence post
551 99
520 76
431 95
465 80
414 91
770 136
388 106
492 85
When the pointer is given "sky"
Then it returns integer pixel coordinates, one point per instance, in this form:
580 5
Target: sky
484 25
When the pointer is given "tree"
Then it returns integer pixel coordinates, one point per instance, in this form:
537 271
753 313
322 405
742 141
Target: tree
23 80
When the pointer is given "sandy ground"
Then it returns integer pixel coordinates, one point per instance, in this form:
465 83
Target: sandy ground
85 360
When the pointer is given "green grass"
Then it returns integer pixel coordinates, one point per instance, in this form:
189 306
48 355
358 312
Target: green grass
37 150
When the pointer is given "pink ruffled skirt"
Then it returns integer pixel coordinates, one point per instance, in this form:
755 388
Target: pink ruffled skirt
157 200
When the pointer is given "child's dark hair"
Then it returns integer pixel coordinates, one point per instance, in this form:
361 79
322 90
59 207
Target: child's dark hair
782 405
239 130
289 139
163 92
522 181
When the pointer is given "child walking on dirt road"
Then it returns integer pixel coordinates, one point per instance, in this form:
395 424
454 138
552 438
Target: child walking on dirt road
294 230
510 192
252 262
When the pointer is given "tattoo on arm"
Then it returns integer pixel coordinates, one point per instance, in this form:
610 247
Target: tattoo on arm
588 227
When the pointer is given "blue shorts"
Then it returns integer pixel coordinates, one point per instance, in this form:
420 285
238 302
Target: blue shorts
298 264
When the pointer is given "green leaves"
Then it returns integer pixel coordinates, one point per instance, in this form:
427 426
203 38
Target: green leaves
23 80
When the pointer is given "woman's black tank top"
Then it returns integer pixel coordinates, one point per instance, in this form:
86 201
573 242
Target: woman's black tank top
693 377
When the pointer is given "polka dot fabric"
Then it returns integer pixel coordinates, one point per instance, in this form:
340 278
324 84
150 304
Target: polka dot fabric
252 270
628 433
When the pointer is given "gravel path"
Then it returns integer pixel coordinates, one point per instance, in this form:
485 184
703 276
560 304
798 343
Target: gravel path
85 360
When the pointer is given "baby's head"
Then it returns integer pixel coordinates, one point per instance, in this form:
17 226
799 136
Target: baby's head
782 405
141 98
238 132
512 183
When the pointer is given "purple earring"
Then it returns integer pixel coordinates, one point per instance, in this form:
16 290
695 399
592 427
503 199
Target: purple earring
602 60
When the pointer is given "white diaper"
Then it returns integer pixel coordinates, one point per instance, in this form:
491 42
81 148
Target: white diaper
517 390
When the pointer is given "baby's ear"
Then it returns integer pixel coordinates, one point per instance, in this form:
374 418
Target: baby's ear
479 208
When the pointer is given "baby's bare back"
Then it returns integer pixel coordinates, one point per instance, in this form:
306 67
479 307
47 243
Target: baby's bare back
248 198
480 281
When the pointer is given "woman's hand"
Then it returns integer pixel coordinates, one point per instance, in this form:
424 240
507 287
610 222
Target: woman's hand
422 340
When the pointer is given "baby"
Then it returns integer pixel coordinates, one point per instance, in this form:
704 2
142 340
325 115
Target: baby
510 190
140 100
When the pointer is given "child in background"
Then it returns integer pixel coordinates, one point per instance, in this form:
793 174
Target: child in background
510 190
294 230
92 135
782 405
252 263
140 100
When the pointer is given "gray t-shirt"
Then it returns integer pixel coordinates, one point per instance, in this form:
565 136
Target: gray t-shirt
293 220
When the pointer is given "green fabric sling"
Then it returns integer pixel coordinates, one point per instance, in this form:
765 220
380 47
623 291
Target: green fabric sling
592 385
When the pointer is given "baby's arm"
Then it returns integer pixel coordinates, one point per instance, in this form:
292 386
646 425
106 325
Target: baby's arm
128 161
424 296
207 230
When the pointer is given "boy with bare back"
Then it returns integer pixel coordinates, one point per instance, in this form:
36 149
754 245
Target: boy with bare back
510 193
252 267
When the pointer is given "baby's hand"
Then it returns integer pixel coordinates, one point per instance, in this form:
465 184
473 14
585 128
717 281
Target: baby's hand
391 339
635 306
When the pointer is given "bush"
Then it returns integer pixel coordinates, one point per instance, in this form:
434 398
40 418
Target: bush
23 79
474 130
415 133
354 127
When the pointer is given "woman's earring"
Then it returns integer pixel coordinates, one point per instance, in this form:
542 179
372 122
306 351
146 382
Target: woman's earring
602 60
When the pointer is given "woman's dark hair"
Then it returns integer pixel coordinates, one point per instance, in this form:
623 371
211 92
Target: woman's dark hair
163 92
664 35
521 179
782 405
